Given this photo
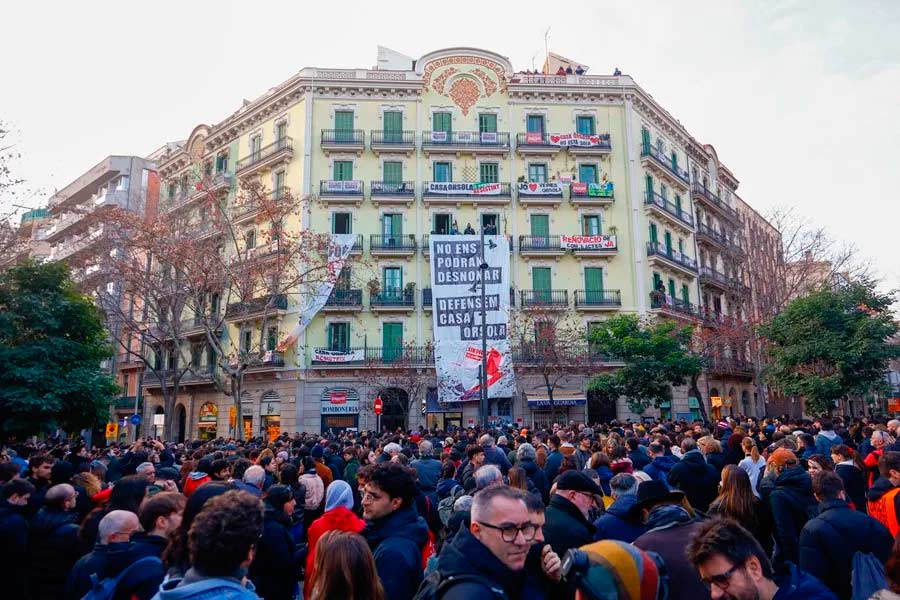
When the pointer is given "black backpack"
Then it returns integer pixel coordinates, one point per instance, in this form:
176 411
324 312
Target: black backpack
435 585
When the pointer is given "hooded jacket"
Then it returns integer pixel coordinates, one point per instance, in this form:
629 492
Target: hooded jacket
194 480
397 541
315 490
829 541
275 569
659 468
825 440
536 476
53 550
698 480
337 519
193 586
792 502
622 521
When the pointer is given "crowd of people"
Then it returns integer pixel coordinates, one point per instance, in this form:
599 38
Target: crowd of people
741 508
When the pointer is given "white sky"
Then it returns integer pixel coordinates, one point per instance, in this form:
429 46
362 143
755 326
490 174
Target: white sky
800 98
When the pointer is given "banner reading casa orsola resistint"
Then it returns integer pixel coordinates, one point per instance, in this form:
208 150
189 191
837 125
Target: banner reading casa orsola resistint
338 250
456 296
462 188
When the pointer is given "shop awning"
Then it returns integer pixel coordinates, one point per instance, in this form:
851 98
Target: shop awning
539 399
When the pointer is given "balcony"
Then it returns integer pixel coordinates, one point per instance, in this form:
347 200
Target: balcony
391 192
201 375
669 211
341 192
393 300
465 192
674 307
275 153
343 300
711 237
540 246
591 194
400 357
343 140
85 244
247 211
544 299
270 360
459 142
211 184
673 259
540 194
536 143
664 166
126 403
734 367
594 300
270 305
85 215
707 198
392 141
711 277
392 245
583 144
355 250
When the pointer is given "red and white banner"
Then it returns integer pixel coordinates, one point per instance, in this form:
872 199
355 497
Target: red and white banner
531 188
534 138
588 242
462 188
578 139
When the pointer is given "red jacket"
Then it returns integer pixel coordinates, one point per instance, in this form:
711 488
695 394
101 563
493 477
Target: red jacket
336 519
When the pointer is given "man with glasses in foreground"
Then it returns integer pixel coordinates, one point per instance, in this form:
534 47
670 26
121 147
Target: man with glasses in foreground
733 565
489 559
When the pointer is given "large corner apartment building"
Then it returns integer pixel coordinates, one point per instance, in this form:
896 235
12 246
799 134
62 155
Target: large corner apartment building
373 150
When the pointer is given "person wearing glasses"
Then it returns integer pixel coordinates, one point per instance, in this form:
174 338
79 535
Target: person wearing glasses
573 508
500 555
731 564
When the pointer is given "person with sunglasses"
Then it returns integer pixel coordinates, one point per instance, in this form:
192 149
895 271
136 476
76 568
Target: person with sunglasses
500 555
733 565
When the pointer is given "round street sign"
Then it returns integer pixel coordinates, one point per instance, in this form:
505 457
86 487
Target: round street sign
379 406
135 420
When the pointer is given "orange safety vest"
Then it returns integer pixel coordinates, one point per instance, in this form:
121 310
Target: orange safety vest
884 510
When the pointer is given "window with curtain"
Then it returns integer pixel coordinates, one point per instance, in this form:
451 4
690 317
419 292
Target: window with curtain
443 171
534 123
590 225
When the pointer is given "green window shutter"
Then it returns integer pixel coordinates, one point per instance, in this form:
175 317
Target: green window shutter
343 120
393 122
648 180
534 124
674 160
593 279
487 123
443 171
653 234
393 280
678 203
392 341
393 172
657 280
343 170
540 225
489 172
645 139
537 173
540 279
587 173
672 288
591 225
584 125
685 293
392 225
668 238
441 122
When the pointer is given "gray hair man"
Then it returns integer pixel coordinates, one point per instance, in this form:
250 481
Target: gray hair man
622 520
494 455
253 480
487 476
428 468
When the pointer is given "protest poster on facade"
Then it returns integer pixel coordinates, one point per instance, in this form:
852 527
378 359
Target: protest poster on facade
456 296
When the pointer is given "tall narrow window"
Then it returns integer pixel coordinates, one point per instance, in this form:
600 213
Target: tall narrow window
487 123
653 234
540 225
343 126
271 339
672 287
645 140
443 171
585 125
393 172
341 222
250 237
339 337
534 123
537 173
222 162
489 223
685 294
393 281
281 131
668 239
541 282
278 184
593 284
587 173
590 225
442 121
393 127
441 223
392 341
255 145
489 172
343 170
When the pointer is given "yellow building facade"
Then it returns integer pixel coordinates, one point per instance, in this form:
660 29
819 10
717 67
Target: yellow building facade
396 154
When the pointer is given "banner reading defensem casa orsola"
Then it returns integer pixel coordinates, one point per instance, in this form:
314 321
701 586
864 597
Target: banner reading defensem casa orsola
456 295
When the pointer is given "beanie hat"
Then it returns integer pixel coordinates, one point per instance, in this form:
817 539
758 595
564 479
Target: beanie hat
620 571
338 494
782 456
317 451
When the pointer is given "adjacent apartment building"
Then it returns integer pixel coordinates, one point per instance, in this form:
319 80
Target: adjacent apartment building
396 153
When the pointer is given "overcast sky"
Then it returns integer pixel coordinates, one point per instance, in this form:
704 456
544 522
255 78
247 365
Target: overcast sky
800 98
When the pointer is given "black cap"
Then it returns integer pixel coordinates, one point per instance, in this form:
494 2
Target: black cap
577 481
651 492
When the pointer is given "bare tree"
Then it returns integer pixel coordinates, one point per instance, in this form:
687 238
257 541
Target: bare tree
408 367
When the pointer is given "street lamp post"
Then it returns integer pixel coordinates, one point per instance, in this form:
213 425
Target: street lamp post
484 408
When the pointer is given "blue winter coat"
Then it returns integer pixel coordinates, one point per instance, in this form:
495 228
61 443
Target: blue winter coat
551 467
659 468
621 521
797 585
428 471
537 477
397 542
